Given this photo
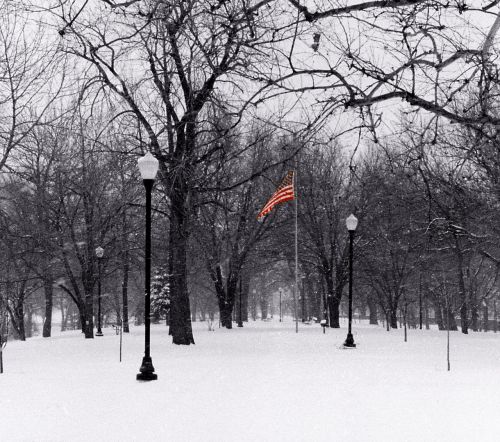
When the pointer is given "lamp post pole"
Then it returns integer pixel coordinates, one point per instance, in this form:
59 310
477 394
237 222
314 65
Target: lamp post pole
352 223
148 166
99 253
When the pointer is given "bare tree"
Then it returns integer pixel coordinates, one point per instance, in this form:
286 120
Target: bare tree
31 76
417 52
164 61
323 206
227 230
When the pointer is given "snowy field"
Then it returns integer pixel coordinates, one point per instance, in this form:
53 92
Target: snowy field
260 383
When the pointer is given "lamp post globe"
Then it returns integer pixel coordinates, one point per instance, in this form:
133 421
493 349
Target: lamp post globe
148 166
351 224
99 251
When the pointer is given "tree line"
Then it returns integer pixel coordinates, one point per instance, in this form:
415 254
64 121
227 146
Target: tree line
89 86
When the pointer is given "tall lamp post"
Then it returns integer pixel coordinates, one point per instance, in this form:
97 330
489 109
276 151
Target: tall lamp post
148 166
351 223
99 253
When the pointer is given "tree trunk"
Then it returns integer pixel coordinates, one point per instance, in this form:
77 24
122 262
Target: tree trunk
450 319
394 317
333 300
125 271
226 314
49 296
1 347
87 316
244 302
495 320
372 306
426 314
1 354
28 330
474 317
180 317
253 309
241 309
194 308
75 319
125 268
463 319
405 319
438 313
17 316
263 306
334 311
461 288
64 314
485 317
316 302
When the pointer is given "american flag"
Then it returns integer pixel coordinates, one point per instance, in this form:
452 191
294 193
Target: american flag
283 193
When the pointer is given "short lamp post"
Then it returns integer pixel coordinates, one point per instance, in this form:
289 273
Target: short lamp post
148 166
99 251
351 223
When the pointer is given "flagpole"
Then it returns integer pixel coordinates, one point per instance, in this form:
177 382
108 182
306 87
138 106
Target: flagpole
296 188
286 192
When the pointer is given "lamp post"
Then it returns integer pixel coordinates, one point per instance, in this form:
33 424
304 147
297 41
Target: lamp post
148 166
99 251
280 304
351 223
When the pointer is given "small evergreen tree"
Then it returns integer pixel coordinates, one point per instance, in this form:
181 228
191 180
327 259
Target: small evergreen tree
160 295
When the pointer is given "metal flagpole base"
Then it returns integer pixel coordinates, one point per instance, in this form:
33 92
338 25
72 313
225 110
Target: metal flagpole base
147 370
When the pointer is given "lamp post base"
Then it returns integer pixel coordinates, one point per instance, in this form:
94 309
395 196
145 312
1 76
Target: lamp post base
349 342
147 370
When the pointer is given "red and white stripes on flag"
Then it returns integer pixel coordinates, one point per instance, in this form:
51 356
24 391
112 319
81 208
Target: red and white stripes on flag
284 192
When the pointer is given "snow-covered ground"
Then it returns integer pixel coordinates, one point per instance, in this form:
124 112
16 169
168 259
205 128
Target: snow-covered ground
260 383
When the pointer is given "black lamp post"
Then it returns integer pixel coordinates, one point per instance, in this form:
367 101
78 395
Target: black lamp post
99 253
351 223
148 166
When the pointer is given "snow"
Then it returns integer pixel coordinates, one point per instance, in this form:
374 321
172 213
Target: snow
262 382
